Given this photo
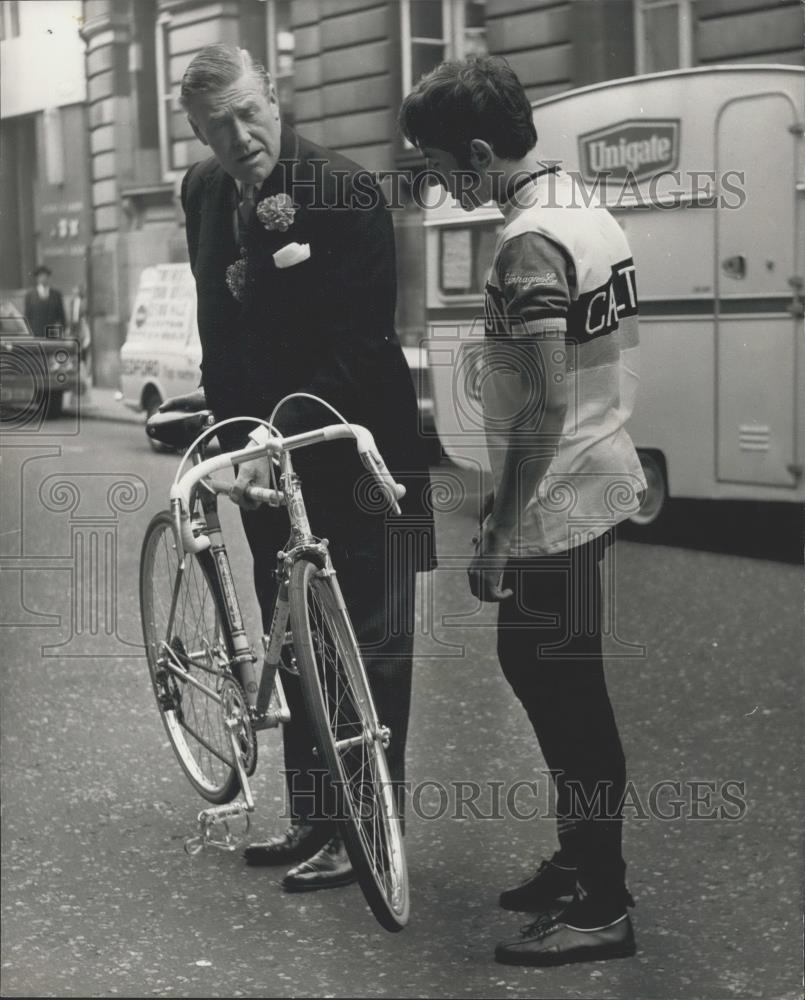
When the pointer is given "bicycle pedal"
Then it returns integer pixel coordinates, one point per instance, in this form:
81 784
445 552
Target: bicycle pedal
211 821
193 845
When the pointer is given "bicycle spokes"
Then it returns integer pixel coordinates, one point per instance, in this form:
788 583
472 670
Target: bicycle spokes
188 659
356 735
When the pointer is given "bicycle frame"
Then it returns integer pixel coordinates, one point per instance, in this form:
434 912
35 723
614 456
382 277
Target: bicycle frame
258 687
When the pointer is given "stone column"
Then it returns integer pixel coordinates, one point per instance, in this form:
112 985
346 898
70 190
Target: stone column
107 32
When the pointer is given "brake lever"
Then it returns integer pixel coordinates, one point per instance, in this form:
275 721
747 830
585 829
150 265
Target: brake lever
394 491
181 521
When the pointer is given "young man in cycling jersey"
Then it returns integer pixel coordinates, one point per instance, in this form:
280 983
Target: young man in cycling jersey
559 380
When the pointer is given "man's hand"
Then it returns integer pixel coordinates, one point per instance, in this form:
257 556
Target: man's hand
257 472
488 563
191 402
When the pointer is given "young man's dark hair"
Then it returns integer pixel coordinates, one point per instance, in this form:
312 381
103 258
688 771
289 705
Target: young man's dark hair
479 98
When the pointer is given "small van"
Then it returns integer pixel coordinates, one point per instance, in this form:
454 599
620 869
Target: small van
162 352
703 169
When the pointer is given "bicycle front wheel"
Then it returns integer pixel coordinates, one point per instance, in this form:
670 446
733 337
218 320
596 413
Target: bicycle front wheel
350 740
189 655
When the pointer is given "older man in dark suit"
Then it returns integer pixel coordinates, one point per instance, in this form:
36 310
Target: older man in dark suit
292 249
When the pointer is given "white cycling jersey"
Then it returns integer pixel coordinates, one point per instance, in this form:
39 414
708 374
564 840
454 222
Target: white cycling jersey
563 280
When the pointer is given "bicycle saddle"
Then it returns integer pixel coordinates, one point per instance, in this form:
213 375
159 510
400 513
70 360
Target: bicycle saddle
178 429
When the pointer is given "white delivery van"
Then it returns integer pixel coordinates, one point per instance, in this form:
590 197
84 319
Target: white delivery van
703 169
162 352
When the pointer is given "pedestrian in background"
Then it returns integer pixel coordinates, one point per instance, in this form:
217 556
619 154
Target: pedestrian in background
80 332
44 306
559 377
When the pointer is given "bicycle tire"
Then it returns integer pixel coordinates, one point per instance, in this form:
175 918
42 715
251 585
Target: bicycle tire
340 707
199 640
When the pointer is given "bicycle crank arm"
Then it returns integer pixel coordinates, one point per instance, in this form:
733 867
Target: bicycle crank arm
232 724
219 816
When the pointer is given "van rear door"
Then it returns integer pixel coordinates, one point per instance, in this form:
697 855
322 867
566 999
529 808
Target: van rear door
755 260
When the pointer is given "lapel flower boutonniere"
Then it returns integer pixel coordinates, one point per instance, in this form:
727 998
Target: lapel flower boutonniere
276 212
236 276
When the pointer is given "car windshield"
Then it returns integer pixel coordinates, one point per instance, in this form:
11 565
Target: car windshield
12 321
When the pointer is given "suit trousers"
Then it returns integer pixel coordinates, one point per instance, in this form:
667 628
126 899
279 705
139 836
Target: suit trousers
549 646
380 595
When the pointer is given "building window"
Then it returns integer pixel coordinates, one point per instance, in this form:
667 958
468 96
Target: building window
469 28
663 35
280 54
167 102
435 30
9 19
143 68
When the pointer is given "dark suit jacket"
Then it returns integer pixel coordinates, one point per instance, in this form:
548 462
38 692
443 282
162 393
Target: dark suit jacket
42 313
324 326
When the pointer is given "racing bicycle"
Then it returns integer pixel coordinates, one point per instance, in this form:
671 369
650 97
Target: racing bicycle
214 697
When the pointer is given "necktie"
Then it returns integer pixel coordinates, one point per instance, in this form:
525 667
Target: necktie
245 210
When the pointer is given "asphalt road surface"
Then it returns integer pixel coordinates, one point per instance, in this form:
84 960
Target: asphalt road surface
99 898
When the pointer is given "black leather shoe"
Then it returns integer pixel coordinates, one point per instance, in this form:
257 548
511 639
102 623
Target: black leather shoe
327 869
548 889
552 941
299 841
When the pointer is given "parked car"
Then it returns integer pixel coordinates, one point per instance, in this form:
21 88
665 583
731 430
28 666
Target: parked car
35 372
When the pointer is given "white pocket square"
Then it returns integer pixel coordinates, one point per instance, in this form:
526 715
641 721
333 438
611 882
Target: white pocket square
292 253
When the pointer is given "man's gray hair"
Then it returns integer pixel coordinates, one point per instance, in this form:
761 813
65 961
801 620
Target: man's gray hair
216 67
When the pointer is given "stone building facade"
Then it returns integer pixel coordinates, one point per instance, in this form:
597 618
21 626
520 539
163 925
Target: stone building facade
342 67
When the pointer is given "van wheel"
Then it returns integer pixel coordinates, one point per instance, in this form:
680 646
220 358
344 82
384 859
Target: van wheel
151 404
656 488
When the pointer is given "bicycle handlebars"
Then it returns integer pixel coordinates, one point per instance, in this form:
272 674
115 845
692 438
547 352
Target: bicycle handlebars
181 491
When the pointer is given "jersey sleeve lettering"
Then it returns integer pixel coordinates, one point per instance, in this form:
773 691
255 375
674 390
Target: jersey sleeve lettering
534 280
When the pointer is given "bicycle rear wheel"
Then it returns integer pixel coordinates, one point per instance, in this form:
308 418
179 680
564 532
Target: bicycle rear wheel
350 740
183 627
